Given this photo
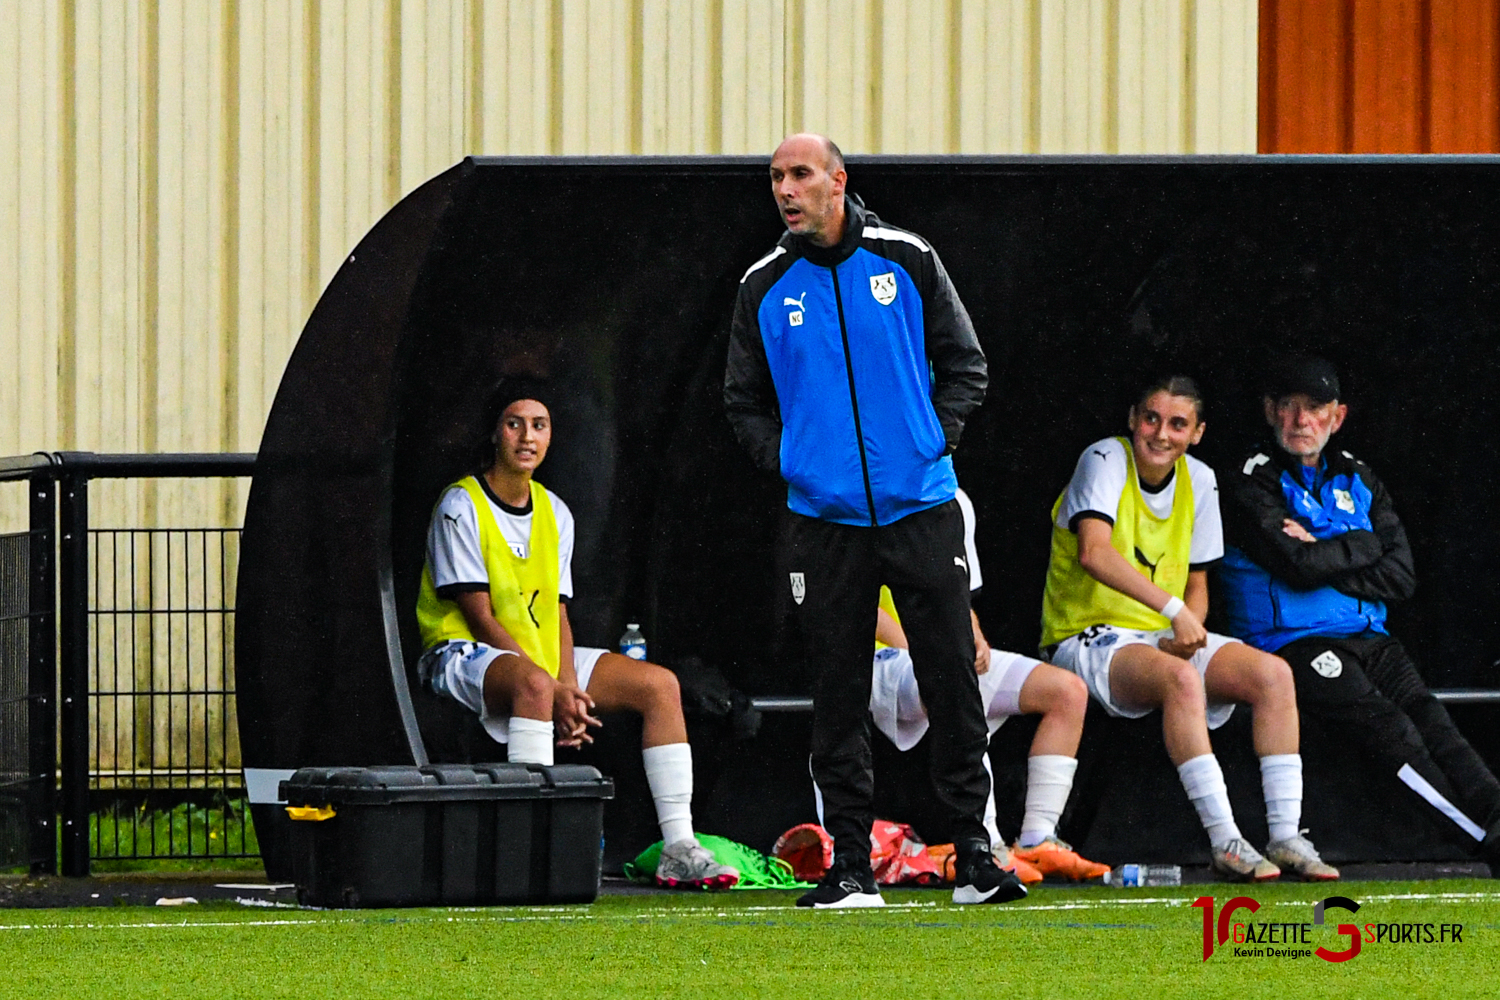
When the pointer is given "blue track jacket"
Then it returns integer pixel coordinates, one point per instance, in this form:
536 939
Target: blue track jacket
851 371
1278 589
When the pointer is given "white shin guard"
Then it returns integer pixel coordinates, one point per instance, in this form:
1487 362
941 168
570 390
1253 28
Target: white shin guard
530 741
1049 779
669 773
1281 781
1203 780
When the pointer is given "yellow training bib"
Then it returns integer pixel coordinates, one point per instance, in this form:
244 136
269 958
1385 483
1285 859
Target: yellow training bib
1158 548
888 605
523 592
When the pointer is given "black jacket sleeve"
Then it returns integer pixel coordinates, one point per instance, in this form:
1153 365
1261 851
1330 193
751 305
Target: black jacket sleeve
749 394
960 373
1393 576
1256 509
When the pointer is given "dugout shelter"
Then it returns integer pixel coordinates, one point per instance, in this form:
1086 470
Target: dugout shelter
616 277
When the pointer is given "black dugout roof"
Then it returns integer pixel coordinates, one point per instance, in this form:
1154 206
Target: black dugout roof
616 278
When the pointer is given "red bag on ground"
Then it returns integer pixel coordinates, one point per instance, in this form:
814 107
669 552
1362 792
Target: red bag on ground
899 857
808 849
897 854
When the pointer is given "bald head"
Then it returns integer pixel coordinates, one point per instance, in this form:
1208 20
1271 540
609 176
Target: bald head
807 181
833 157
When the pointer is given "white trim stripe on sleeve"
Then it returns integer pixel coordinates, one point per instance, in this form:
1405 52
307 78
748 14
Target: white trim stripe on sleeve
763 262
882 233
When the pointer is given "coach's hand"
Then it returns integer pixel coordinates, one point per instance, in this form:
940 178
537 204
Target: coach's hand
570 715
1188 635
1296 530
981 655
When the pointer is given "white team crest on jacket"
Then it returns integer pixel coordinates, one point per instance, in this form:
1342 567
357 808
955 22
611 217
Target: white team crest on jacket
799 587
1345 500
883 287
1328 664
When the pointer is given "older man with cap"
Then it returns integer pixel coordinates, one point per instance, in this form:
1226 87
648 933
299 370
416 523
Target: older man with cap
852 367
1316 554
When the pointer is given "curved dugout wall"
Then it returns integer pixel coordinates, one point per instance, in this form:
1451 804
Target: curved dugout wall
617 277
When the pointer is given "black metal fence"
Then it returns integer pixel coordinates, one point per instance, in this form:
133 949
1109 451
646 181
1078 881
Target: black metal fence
164 773
22 786
139 657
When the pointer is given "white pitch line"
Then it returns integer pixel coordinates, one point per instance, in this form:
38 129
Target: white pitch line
539 914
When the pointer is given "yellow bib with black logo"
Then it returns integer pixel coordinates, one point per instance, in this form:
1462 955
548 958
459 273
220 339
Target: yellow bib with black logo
523 592
1158 548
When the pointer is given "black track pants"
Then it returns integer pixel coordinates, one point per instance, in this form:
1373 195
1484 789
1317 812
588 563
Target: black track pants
838 569
1378 699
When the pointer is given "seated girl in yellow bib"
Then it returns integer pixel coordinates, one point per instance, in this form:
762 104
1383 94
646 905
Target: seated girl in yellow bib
494 618
1133 536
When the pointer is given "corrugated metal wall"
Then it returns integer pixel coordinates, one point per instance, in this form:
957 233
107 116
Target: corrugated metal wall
180 178
1379 76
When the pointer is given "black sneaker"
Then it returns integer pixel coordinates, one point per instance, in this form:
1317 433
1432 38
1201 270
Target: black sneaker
980 880
847 884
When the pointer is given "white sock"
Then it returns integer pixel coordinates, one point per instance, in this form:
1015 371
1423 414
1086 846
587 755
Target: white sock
530 741
669 773
1281 780
1049 779
1203 781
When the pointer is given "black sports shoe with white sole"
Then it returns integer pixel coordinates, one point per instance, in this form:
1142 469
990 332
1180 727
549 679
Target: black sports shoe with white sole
847 885
980 880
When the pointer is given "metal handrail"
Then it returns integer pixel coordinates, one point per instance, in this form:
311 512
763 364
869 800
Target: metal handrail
17 467
1449 696
1468 696
125 465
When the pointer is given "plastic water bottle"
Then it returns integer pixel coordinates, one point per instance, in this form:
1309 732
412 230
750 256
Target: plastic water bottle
632 643
1138 876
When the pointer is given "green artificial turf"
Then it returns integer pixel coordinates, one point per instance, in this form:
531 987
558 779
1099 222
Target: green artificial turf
1059 943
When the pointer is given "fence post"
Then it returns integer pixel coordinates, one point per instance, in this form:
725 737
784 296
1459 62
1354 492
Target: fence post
73 626
42 680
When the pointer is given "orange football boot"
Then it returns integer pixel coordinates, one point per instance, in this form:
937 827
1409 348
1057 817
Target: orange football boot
1027 872
1054 857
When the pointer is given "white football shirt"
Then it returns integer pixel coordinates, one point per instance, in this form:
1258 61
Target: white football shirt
1099 481
453 538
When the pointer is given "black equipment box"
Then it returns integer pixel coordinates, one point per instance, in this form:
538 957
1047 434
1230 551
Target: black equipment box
446 834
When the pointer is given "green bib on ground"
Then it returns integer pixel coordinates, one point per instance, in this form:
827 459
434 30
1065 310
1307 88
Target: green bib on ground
756 870
1158 549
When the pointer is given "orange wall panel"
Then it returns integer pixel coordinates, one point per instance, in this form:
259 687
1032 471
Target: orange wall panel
1464 115
1387 76
1379 76
1306 46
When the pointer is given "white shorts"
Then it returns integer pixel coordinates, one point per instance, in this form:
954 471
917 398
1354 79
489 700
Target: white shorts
897 707
456 669
1088 654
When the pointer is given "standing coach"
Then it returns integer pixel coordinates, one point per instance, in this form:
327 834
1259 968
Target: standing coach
852 367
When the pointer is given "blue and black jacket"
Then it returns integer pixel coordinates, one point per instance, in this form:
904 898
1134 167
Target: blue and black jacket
851 371
1278 589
